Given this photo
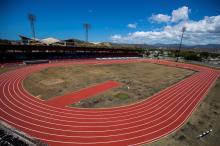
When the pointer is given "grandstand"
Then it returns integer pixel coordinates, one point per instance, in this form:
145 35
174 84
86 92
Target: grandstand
17 53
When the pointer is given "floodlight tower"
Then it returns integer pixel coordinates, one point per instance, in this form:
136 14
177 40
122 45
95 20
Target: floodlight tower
183 30
87 26
32 19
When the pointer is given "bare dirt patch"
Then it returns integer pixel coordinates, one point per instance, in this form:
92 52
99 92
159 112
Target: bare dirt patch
50 82
140 80
206 116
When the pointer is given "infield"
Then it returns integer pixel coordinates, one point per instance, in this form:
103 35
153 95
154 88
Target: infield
139 81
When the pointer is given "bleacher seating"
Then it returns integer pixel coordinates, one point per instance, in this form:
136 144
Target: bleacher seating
9 140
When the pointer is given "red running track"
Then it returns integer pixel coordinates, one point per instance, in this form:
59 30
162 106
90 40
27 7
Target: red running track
74 97
134 124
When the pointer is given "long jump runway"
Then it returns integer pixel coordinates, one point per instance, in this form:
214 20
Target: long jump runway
135 124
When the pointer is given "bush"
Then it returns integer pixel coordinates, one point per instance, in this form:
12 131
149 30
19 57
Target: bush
204 55
190 55
181 137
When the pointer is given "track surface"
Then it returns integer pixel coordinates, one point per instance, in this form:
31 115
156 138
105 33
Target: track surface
74 97
134 124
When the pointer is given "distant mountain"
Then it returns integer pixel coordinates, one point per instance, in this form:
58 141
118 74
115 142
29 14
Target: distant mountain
167 45
208 46
117 45
81 43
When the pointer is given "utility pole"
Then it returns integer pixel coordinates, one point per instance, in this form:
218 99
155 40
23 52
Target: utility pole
32 19
183 30
86 26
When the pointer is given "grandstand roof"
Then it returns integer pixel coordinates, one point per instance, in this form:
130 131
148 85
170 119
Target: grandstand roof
50 40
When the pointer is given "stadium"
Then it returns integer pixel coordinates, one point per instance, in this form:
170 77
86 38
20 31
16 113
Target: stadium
154 82
120 120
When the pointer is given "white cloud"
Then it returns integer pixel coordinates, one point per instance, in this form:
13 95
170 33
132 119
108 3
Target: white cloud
205 31
160 18
180 14
208 24
132 25
116 37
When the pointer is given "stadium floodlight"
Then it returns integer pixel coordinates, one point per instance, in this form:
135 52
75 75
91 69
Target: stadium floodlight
183 30
86 26
32 19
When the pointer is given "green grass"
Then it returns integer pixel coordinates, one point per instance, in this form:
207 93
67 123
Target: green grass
122 96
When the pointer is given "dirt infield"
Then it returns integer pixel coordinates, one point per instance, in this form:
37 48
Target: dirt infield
139 81
135 124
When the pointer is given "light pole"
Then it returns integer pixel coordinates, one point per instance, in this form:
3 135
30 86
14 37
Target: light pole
32 19
183 30
87 26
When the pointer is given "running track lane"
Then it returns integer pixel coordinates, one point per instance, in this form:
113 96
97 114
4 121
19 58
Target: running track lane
134 124
74 97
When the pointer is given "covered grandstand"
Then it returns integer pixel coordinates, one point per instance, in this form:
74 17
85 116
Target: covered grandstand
14 53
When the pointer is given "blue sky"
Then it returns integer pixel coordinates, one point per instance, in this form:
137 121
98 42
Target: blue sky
123 21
